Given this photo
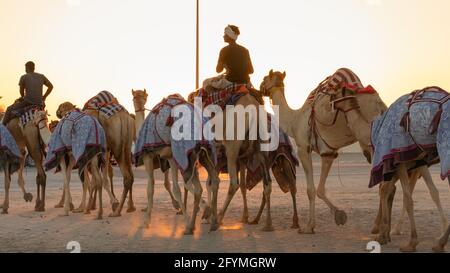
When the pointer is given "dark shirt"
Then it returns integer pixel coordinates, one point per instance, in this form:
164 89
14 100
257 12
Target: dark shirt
33 84
237 62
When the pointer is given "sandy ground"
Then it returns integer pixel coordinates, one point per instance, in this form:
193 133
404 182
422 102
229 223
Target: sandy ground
24 230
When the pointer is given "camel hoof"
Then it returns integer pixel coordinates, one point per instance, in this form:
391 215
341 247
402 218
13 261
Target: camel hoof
254 222
87 212
306 231
130 210
189 232
64 215
72 207
28 197
295 226
115 214
408 249
214 227
375 230
144 210
268 229
115 205
383 240
100 217
438 249
59 206
180 212
175 205
5 211
206 213
340 217
79 210
396 232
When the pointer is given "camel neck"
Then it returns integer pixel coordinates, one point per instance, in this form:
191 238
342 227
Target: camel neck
140 117
286 113
45 133
359 126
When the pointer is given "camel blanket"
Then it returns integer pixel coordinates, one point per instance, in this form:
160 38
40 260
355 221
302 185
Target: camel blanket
27 114
105 103
416 128
80 134
9 151
155 134
227 96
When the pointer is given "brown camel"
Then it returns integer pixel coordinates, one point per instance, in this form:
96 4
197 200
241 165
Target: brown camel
316 127
345 101
120 132
92 164
198 155
139 101
28 139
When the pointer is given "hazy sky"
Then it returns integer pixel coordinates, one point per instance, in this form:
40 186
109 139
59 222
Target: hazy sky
86 46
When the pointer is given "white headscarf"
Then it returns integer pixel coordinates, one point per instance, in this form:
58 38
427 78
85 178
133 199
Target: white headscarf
230 33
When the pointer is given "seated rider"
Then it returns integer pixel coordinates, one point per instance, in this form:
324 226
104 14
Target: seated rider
31 89
235 59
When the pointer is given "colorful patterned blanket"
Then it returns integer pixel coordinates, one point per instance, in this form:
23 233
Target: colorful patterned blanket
105 103
9 151
80 134
416 128
227 96
27 114
155 134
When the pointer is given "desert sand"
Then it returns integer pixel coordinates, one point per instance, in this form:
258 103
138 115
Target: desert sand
24 230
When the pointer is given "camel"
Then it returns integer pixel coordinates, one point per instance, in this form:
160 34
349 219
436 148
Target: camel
148 155
316 127
139 101
120 131
9 162
28 139
71 128
345 101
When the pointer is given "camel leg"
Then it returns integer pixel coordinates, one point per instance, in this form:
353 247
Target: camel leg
99 181
67 168
340 216
306 160
295 219
260 211
107 186
377 222
186 194
243 187
413 181
207 212
435 196
409 204
85 185
175 204
387 193
197 196
232 153
148 162
267 183
213 189
176 189
127 187
110 171
21 181
5 206
440 246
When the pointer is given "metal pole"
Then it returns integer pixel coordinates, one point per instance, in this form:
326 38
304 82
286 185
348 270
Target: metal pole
197 63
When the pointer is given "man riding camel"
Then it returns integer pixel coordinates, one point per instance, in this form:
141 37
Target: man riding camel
235 59
31 89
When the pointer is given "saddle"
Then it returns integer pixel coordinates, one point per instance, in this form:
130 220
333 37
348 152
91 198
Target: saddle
105 103
229 95
27 114
164 102
418 97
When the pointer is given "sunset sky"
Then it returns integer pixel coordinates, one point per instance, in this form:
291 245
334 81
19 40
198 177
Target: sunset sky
86 46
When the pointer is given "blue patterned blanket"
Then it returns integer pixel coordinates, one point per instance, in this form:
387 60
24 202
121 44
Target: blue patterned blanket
416 128
9 151
155 134
80 134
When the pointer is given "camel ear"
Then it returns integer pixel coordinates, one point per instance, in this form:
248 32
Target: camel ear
145 91
284 75
132 91
271 73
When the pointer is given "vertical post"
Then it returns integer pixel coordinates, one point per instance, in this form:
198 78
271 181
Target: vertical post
197 57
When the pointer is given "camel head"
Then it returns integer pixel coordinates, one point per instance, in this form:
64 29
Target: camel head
40 118
345 101
64 109
139 99
52 125
273 81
